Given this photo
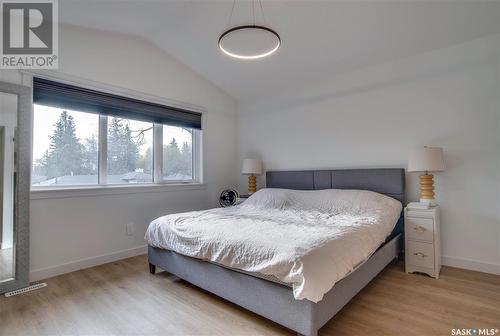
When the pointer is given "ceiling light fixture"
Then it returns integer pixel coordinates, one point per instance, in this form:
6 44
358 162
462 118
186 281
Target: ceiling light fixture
249 42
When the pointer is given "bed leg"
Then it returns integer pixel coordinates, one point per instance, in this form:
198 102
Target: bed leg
152 268
400 256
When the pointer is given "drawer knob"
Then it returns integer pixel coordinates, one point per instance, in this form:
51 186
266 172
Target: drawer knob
420 255
419 229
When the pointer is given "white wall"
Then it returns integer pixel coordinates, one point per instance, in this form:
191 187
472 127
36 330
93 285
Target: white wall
370 118
73 232
375 116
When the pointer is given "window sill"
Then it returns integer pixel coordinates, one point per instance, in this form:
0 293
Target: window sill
89 191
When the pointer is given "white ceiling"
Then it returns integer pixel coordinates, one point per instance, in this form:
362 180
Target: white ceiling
320 38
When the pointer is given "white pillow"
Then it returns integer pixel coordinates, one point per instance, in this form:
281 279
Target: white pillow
331 201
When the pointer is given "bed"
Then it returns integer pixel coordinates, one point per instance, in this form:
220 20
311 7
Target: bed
274 299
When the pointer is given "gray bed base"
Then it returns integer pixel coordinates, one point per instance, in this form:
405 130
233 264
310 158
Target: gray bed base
272 300
275 301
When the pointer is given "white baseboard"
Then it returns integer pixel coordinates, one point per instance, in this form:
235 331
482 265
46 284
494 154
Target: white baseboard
76 265
44 273
473 265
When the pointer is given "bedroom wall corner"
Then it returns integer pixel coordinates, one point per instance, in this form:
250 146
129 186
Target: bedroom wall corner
373 117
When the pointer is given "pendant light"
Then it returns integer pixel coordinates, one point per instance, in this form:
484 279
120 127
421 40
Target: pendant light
251 41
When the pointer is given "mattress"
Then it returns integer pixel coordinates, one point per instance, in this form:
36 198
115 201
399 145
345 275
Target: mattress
274 279
266 277
308 240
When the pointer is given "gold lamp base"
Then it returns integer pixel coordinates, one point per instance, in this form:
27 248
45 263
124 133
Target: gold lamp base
427 189
252 184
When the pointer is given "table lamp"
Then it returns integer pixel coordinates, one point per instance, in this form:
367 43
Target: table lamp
426 159
252 167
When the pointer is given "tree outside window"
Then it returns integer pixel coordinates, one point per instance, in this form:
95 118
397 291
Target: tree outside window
130 144
65 147
177 153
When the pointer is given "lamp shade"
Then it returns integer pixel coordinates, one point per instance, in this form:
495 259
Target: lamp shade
251 167
426 159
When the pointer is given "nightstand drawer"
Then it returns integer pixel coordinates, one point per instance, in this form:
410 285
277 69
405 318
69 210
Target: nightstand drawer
419 213
420 229
420 254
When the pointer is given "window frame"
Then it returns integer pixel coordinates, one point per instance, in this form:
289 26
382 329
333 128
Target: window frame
102 187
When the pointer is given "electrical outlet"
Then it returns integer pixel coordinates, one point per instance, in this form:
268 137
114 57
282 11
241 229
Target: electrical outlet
130 229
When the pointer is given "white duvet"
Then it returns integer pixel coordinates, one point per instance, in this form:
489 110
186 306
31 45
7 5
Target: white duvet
310 239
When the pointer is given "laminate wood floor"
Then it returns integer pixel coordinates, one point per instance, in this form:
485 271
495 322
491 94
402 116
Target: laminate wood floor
122 298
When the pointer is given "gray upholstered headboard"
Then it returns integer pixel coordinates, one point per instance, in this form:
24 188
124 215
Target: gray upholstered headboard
387 181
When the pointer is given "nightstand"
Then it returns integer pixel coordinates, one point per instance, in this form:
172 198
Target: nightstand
422 241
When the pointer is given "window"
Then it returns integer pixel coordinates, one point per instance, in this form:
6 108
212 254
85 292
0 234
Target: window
130 151
177 153
82 139
64 147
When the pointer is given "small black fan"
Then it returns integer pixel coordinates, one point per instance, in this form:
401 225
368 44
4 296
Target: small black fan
228 198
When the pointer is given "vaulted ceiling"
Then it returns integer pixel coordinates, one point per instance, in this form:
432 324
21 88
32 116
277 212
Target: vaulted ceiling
320 38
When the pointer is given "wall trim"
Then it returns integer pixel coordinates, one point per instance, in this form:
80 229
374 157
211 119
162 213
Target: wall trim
472 265
44 273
